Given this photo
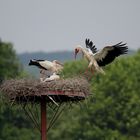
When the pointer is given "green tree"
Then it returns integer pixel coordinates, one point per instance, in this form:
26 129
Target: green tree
9 63
112 113
14 125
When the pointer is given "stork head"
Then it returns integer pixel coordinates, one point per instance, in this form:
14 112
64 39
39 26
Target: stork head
77 49
32 62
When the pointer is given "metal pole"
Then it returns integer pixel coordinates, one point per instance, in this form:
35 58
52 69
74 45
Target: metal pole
43 118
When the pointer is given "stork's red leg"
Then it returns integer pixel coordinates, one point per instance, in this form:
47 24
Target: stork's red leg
92 71
86 71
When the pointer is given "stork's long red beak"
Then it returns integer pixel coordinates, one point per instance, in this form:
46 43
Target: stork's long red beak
76 51
75 55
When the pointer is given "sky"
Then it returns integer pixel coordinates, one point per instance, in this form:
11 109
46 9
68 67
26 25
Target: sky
60 25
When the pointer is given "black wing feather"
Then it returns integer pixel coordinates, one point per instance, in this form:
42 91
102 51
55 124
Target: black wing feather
89 44
36 63
117 50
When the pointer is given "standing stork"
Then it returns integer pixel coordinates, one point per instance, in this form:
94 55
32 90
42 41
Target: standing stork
102 57
54 67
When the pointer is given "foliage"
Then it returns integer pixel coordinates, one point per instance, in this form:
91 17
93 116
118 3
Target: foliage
15 125
13 122
74 68
9 64
113 112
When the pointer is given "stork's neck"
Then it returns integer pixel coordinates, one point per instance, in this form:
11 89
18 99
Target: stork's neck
83 50
87 55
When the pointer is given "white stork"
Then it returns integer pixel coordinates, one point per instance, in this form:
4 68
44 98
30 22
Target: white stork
54 67
53 77
102 57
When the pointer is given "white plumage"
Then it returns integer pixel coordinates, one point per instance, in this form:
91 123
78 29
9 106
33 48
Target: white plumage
102 57
53 68
89 56
54 76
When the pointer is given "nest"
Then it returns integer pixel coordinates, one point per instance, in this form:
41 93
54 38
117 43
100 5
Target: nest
30 90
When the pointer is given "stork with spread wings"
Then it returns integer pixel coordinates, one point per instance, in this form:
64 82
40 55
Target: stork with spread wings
102 57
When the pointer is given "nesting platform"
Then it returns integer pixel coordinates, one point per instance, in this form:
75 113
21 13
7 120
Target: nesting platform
29 90
25 91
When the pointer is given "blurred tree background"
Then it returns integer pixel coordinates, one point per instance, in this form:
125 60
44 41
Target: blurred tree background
111 113
9 64
14 125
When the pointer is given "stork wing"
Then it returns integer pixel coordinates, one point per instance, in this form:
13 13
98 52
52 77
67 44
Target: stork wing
58 62
109 53
45 64
89 45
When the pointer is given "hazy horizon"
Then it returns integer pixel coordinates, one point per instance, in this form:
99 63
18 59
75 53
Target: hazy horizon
51 26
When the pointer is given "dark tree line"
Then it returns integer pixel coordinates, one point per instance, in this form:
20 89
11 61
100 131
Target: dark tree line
111 113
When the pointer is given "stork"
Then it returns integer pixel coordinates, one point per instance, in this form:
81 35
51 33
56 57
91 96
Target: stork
44 65
89 56
102 57
53 77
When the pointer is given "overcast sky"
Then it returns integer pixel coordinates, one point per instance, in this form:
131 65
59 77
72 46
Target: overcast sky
56 25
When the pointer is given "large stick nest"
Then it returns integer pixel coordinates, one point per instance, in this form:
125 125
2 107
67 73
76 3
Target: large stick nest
30 90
